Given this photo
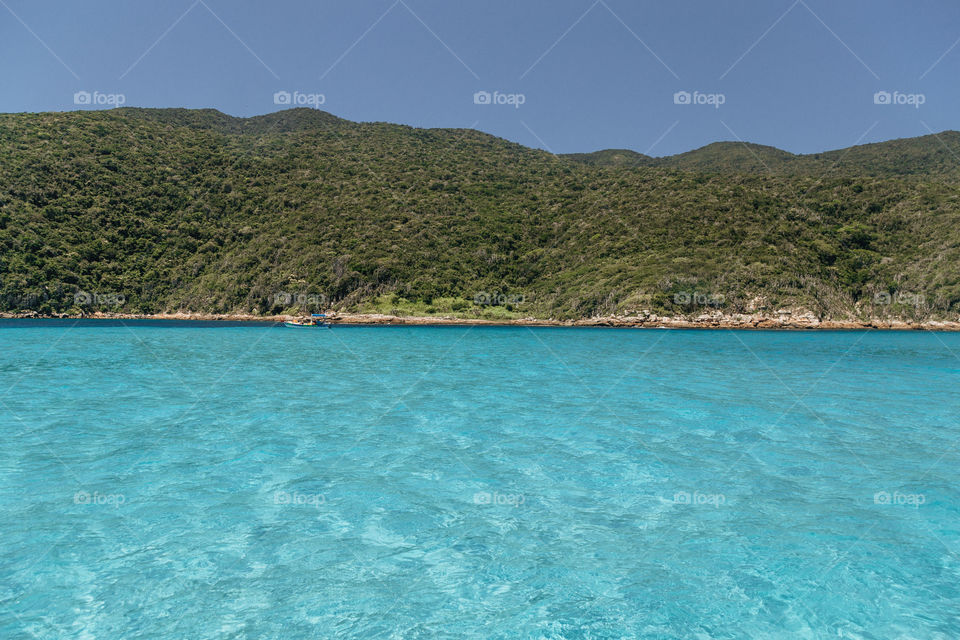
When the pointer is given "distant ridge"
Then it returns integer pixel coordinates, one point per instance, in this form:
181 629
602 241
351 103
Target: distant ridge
612 158
931 155
739 157
297 119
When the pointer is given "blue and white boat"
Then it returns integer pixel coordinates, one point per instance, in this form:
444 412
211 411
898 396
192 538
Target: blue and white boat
314 321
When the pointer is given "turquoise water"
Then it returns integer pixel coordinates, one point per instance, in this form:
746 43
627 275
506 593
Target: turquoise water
182 481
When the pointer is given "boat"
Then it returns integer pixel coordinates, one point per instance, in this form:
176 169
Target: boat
314 321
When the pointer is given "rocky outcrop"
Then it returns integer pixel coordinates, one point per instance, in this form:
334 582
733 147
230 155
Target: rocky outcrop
782 319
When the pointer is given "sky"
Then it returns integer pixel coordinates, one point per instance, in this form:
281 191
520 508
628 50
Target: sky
567 76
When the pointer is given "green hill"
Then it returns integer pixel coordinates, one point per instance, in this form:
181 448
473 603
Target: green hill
146 211
736 157
612 158
926 157
933 156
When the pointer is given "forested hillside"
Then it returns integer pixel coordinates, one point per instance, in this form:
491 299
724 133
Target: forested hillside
148 211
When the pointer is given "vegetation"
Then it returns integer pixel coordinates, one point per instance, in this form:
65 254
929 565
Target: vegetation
935 156
146 211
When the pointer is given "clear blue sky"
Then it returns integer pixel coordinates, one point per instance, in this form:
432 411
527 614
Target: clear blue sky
797 74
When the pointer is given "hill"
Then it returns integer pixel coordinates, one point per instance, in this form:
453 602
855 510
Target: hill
149 211
612 158
932 156
734 157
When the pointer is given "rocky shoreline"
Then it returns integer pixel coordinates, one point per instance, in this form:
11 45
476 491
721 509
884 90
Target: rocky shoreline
784 321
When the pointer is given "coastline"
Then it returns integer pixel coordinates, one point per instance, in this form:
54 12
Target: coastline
719 321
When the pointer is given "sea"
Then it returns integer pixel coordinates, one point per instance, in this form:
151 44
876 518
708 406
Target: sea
173 480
